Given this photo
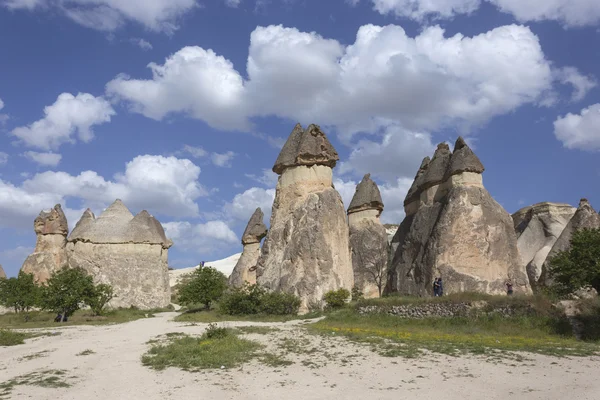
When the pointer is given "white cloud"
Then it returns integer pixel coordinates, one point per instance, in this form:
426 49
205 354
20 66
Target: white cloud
3 117
424 83
570 13
109 15
267 178
581 84
232 3
393 195
194 81
196 152
580 131
68 116
3 158
243 204
46 159
346 189
222 159
141 43
163 185
201 238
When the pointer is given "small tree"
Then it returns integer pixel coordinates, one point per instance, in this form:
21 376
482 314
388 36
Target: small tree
572 269
20 293
205 285
336 298
66 290
100 297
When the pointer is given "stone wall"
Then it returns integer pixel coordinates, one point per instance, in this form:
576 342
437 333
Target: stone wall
461 309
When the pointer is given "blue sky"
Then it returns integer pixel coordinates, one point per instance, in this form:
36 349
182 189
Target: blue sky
180 106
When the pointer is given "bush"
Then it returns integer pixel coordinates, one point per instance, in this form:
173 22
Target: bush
99 298
279 303
205 285
67 290
214 332
336 298
357 294
252 299
20 293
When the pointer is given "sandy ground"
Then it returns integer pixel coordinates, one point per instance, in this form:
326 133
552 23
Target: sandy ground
337 369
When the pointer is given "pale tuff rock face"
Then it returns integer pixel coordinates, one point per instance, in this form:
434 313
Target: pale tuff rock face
538 227
368 239
306 251
49 255
129 253
2 273
454 229
245 269
584 217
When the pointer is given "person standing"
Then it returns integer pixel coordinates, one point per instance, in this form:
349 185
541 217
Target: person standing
441 287
436 287
509 288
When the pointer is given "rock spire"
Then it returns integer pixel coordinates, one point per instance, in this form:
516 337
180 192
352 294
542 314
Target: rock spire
245 268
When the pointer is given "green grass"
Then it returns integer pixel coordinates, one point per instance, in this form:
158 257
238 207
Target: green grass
35 355
215 316
40 319
491 335
275 360
86 352
12 338
50 378
197 353
261 330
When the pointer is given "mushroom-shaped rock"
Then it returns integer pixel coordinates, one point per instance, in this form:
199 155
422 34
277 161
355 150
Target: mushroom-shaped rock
306 251
463 160
49 255
413 192
83 226
144 228
436 170
368 239
255 230
366 197
245 268
307 147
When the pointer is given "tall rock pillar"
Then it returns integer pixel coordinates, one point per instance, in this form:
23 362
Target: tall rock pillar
306 251
245 269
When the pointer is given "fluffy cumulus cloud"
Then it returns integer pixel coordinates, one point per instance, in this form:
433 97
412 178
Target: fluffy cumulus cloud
242 206
108 15
201 238
69 116
570 13
48 159
163 185
422 83
580 131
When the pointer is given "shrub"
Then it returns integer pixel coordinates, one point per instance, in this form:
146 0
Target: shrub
242 301
204 286
214 332
357 294
99 298
279 303
20 293
67 290
336 298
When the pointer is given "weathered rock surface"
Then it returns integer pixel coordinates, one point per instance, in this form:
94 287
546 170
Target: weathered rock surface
368 239
51 229
245 269
584 217
129 253
538 227
454 229
306 251
2 273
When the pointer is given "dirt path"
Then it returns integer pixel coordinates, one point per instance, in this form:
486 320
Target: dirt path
324 368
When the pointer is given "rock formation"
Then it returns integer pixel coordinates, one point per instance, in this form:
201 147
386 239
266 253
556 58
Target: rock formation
245 269
454 229
129 253
306 251
368 239
2 273
537 228
49 255
584 217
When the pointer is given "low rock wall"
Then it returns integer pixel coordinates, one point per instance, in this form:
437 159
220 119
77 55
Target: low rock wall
446 310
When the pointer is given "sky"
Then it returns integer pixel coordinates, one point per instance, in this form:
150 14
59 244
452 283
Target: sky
180 107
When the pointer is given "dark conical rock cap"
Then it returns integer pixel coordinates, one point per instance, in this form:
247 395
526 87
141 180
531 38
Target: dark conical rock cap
255 230
464 160
144 228
306 147
366 197
83 226
436 171
413 192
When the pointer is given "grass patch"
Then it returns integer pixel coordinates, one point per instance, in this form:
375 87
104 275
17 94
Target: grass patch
207 316
86 352
490 335
35 355
49 378
12 338
41 319
197 353
274 360
260 330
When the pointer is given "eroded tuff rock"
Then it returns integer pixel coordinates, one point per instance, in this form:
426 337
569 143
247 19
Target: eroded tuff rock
454 229
584 217
2 273
368 239
538 227
51 229
129 253
245 268
306 251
